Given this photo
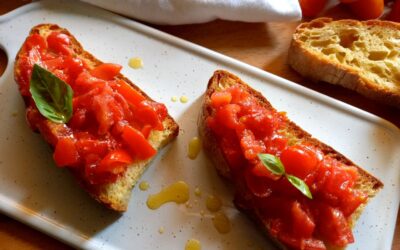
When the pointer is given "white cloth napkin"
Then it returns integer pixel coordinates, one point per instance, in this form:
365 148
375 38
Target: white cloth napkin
200 11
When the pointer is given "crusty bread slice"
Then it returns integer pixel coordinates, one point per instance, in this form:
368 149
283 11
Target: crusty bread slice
222 80
362 56
114 195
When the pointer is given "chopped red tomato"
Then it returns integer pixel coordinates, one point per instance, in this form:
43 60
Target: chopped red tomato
137 143
133 96
302 224
35 40
220 98
59 43
106 71
65 153
250 146
147 113
115 162
257 185
335 228
260 170
300 160
227 115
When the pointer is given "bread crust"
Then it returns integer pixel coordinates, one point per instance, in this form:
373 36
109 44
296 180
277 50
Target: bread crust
222 79
318 67
114 195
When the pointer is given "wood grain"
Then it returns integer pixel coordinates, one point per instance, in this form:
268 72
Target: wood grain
263 45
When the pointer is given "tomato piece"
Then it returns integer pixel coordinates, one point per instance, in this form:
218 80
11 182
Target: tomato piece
232 151
115 162
74 66
103 112
302 224
251 147
352 201
137 143
262 171
133 96
146 113
106 71
258 186
301 160
260 122
59 43
333 226
347 1
65 153
227 116
146 131
311 8
53 64
394 14
238 94
88 146
35 40
275 144
220 98
367 9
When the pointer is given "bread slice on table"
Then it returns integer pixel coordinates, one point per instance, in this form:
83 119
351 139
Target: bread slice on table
222 80
114 195
362 56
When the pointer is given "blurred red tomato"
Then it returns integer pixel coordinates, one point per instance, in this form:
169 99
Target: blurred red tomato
367 9
311 8
394 14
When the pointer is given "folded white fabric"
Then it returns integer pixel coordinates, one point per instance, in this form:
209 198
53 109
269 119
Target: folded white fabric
200 11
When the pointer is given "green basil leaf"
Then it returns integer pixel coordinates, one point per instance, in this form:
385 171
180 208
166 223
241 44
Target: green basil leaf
272 163
300 185
52 96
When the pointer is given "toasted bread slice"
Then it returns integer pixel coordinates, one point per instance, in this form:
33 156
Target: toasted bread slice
221 80
114 195
362 56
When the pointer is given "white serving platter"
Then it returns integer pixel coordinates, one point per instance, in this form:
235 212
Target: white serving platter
36 192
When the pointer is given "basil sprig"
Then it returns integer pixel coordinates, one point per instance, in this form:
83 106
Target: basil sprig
275 165
52 96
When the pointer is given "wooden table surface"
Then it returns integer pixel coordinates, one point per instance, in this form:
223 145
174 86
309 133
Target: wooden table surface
263 45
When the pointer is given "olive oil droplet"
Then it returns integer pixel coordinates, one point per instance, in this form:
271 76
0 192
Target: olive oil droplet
177 192
193 244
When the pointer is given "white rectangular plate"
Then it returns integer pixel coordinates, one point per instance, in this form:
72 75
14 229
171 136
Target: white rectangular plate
36 192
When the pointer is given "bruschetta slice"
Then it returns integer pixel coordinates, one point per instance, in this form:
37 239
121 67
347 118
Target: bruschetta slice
300 191
103 128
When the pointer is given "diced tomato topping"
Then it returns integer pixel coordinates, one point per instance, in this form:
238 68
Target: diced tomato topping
244 128
65 153
257 185
303 224
115 162
146 131
335 228
220 98
133 96
262 171
59 43
137 143
227 115
300 160
35 40
250 146
111 120
106 71
147 112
